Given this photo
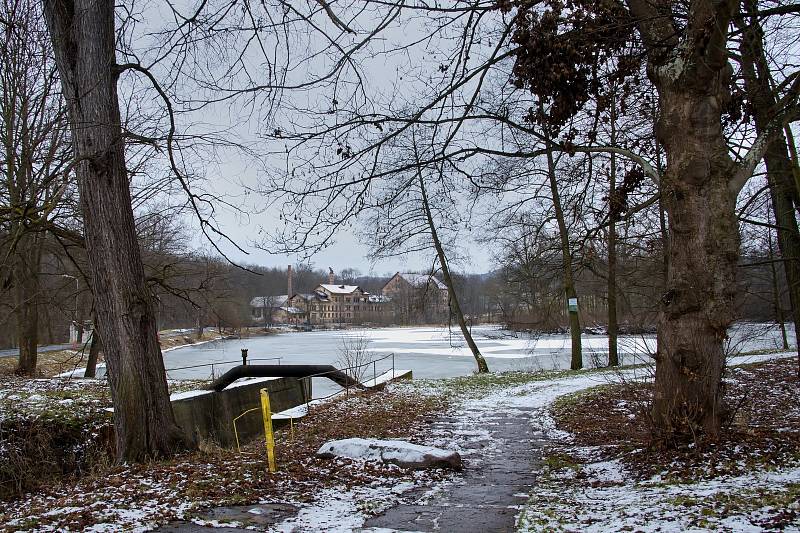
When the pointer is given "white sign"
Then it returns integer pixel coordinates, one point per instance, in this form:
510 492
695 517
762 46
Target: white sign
572 304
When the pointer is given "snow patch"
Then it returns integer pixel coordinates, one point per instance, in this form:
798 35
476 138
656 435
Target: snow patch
397 452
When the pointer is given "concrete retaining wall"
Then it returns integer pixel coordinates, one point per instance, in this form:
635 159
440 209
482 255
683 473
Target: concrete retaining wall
208 415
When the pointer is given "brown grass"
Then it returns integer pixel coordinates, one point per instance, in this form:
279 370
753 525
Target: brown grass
763 427
217 476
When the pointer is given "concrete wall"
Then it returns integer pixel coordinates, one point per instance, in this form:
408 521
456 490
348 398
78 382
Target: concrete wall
208 415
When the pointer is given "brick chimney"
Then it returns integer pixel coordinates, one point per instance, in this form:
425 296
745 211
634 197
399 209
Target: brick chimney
330 276
289 273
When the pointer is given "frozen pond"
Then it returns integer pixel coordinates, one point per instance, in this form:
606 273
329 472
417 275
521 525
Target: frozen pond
433 352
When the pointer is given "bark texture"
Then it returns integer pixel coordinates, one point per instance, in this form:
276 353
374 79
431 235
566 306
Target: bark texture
697 307
688 65
82 33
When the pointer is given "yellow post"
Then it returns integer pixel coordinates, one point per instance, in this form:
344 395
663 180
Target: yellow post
266 413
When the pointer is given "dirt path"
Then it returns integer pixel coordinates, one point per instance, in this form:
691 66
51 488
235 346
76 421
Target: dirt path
502 429
500 434
500 471
501 452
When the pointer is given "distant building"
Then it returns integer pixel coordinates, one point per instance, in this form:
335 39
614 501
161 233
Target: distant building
337 304
418 298
271 310
329 304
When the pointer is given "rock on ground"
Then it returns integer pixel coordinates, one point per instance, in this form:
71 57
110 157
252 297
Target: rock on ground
397 452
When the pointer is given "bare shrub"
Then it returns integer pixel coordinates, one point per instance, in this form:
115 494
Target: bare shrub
36 451
354 356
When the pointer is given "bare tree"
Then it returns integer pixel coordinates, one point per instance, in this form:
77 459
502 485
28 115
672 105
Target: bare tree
555 49
448 278
699 184
570 292
785 195
34 173
83 37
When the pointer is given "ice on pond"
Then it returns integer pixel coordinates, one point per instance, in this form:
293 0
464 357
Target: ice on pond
433 352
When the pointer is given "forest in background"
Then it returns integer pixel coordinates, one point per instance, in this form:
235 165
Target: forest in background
194 289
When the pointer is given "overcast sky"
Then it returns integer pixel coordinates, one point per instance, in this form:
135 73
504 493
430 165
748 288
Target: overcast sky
229 174
347 252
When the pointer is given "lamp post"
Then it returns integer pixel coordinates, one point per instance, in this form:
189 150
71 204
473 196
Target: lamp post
75 316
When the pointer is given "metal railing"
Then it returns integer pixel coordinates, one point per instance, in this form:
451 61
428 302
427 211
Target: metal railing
306 396
373 362
306 392
220 363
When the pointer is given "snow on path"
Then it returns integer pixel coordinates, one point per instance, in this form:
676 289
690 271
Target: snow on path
614 504
606 499
347 510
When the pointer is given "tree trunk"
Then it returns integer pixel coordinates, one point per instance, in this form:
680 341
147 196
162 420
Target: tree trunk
776 293
613 215
795 162
780 170
94 352
448 280
697 307
78 330
49 326
576 361
613 324
26 289
82 32
199 325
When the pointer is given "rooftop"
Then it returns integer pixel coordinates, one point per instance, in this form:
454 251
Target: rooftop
419 280
340 289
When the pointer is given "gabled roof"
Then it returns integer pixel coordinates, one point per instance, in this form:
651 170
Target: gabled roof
340 289
420 280
321 296
307 296
269 301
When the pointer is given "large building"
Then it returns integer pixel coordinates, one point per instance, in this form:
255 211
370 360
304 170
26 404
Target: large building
418 298
344 304
329 304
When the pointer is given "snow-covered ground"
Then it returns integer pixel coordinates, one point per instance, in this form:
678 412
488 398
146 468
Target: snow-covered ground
607 500
603 496
348 509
